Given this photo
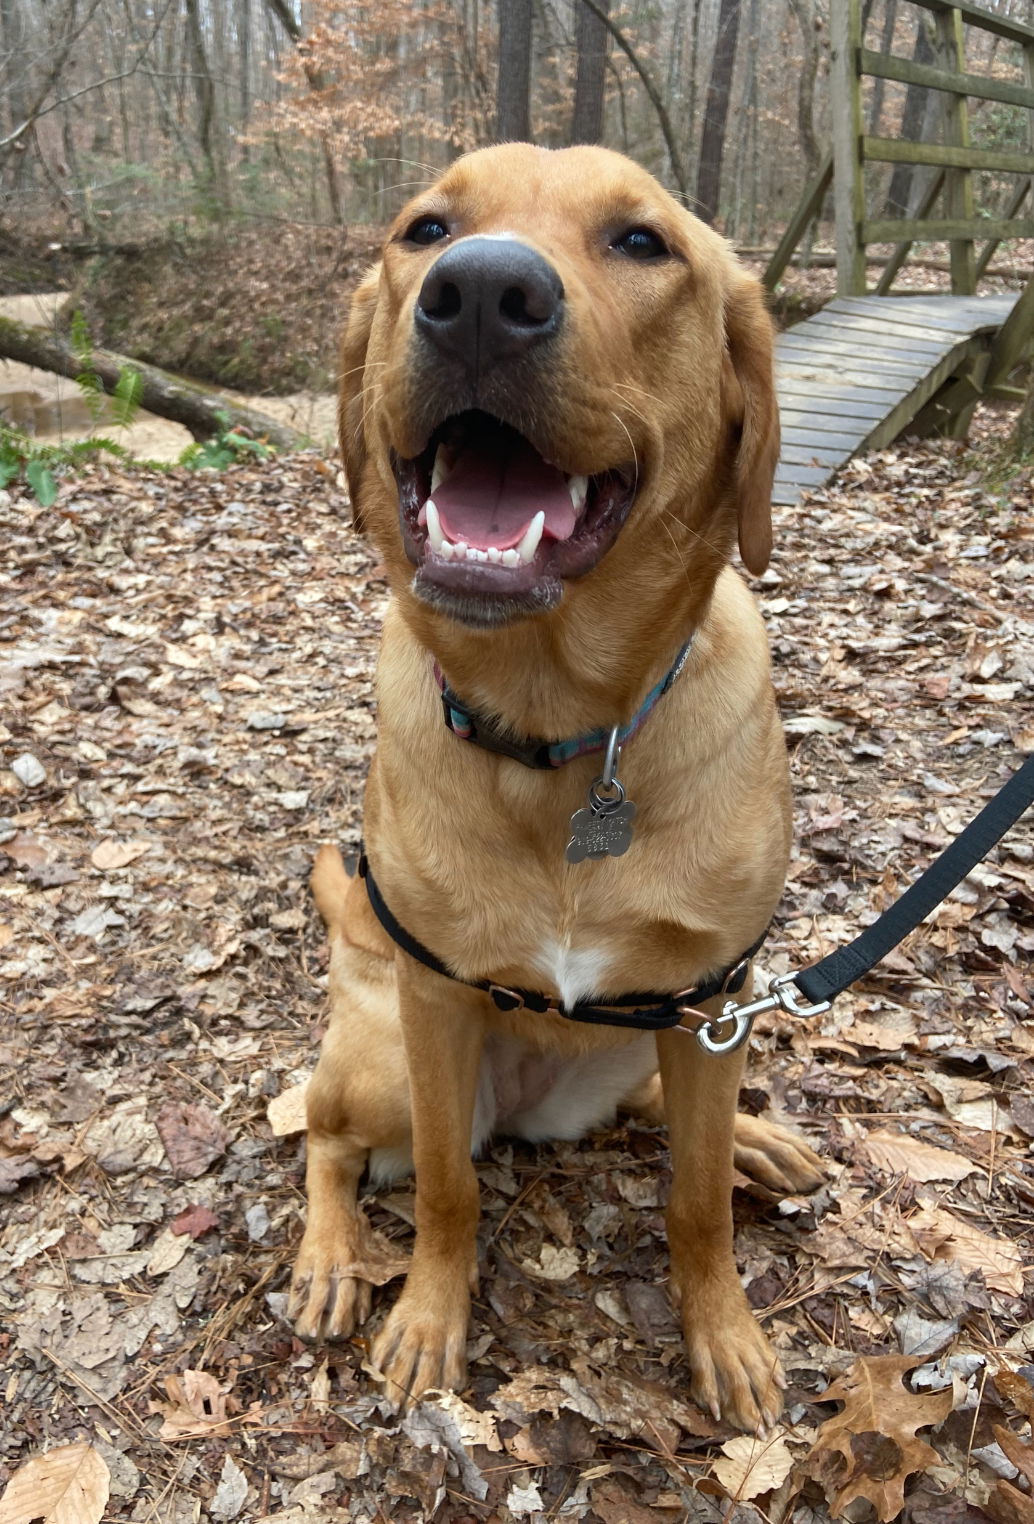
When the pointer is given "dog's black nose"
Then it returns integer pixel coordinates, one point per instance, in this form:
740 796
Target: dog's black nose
489 299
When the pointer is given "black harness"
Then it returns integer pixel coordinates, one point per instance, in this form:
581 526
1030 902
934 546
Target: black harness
647 1012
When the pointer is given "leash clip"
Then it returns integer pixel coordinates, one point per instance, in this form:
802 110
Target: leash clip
727 1032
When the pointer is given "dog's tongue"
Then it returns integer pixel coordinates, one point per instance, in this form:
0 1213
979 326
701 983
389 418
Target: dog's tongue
493 492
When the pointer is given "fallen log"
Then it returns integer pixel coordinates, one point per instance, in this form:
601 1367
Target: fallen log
203 410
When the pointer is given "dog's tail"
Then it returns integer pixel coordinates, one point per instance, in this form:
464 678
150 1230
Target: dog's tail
330 885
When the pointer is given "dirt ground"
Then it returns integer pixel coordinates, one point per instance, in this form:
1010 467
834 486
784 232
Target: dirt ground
186 711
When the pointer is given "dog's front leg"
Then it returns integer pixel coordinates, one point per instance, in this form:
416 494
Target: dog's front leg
423 1343
735 1374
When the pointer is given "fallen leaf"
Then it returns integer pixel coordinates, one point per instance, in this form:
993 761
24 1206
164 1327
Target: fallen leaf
871 1447
197 1407
286 1111
195 1220
898 1153
941 1235
69 1485
110 853
752 1466
192 1135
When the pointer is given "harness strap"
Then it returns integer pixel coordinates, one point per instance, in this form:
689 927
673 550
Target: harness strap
646 1012
825 980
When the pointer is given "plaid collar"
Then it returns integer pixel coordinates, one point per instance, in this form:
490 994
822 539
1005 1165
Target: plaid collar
468 725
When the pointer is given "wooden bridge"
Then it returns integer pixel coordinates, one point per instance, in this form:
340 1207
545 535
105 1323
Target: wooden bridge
872 365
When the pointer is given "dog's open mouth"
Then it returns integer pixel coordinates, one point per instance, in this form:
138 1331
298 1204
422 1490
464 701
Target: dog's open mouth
484 516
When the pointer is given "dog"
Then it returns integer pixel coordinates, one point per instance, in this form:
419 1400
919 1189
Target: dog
557 416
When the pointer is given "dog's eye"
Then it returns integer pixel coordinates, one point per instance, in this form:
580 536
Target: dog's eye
426 230
640 243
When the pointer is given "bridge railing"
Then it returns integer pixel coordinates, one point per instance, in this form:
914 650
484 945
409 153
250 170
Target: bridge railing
953 161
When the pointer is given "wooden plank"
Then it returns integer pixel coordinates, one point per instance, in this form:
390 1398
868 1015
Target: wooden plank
810 476
813 430
865 331
933 316
845 381
820 401
830 351
958 188
849 185
945 229
813 455
901 151
978 16
808 209
905 72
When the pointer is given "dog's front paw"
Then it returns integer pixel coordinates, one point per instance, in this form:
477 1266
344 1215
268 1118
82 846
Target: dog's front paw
734 1373
334 1276
775 1158
422 1347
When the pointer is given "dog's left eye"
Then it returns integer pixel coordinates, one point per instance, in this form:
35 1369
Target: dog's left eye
640 243
426 230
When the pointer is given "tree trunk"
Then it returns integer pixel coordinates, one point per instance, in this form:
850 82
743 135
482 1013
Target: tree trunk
591 37
196 406
807 19
283 13
912 117
513 94
716 111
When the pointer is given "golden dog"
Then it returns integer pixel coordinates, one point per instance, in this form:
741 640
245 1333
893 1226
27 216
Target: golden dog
557 414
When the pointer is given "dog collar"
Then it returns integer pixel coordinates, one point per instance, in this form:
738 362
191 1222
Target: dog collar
468 725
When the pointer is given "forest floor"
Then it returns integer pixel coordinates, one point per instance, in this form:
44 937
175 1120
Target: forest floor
186 711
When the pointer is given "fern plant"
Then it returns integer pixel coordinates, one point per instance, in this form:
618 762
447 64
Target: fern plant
118 411
40 465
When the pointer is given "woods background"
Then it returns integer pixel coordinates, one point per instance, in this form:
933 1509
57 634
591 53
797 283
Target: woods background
121 120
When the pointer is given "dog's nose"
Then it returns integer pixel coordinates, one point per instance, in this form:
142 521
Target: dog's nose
489 299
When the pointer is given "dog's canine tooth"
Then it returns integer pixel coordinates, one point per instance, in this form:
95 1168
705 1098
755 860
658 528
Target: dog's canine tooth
438 470
434 527
532 535
578 486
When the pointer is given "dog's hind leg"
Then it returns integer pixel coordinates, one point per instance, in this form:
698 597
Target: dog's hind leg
762 1150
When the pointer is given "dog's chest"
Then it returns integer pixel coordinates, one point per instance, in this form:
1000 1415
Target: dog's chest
575 973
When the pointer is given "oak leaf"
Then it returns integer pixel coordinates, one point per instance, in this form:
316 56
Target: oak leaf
871 1447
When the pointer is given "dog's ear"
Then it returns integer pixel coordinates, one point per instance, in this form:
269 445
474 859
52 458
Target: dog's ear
352 398
754 409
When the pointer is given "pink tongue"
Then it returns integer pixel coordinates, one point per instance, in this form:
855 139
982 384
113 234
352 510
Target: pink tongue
489 498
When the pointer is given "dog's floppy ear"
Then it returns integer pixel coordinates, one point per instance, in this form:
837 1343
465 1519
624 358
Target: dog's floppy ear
352 399
752 401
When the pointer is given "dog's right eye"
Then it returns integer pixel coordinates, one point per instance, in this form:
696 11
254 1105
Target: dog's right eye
426 230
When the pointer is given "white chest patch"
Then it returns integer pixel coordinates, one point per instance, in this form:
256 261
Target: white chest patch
575 973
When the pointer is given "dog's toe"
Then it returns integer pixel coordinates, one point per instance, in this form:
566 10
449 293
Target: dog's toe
735 1375
419 1351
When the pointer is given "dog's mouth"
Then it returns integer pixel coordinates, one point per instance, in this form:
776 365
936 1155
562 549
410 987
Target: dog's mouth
493 528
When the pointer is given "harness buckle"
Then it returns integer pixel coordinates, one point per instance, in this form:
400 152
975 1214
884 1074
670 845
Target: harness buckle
505 999
725 1033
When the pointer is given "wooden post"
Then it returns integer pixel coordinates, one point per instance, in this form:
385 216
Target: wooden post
849 184
958 183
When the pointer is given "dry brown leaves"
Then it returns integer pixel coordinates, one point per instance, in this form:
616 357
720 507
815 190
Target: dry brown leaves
187 661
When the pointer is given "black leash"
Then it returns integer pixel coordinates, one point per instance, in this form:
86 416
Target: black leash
824 981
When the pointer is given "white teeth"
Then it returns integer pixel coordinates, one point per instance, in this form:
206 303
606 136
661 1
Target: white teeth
510 558
578 486
494 555
446 550
438 471
532 535
434 527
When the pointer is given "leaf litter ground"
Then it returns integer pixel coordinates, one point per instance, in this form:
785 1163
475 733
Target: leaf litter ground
187 711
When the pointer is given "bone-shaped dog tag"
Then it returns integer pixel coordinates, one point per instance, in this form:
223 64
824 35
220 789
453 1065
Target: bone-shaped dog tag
600 832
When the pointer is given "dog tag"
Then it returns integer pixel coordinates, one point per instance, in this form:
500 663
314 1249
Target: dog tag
600 832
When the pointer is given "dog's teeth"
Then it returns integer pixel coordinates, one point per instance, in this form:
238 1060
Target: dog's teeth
532 535
482 555
438 470
434 527
578 486
446 550
494 555
510 558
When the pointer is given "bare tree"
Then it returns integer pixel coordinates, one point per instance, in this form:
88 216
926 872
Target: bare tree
513 95
591 37
716 111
